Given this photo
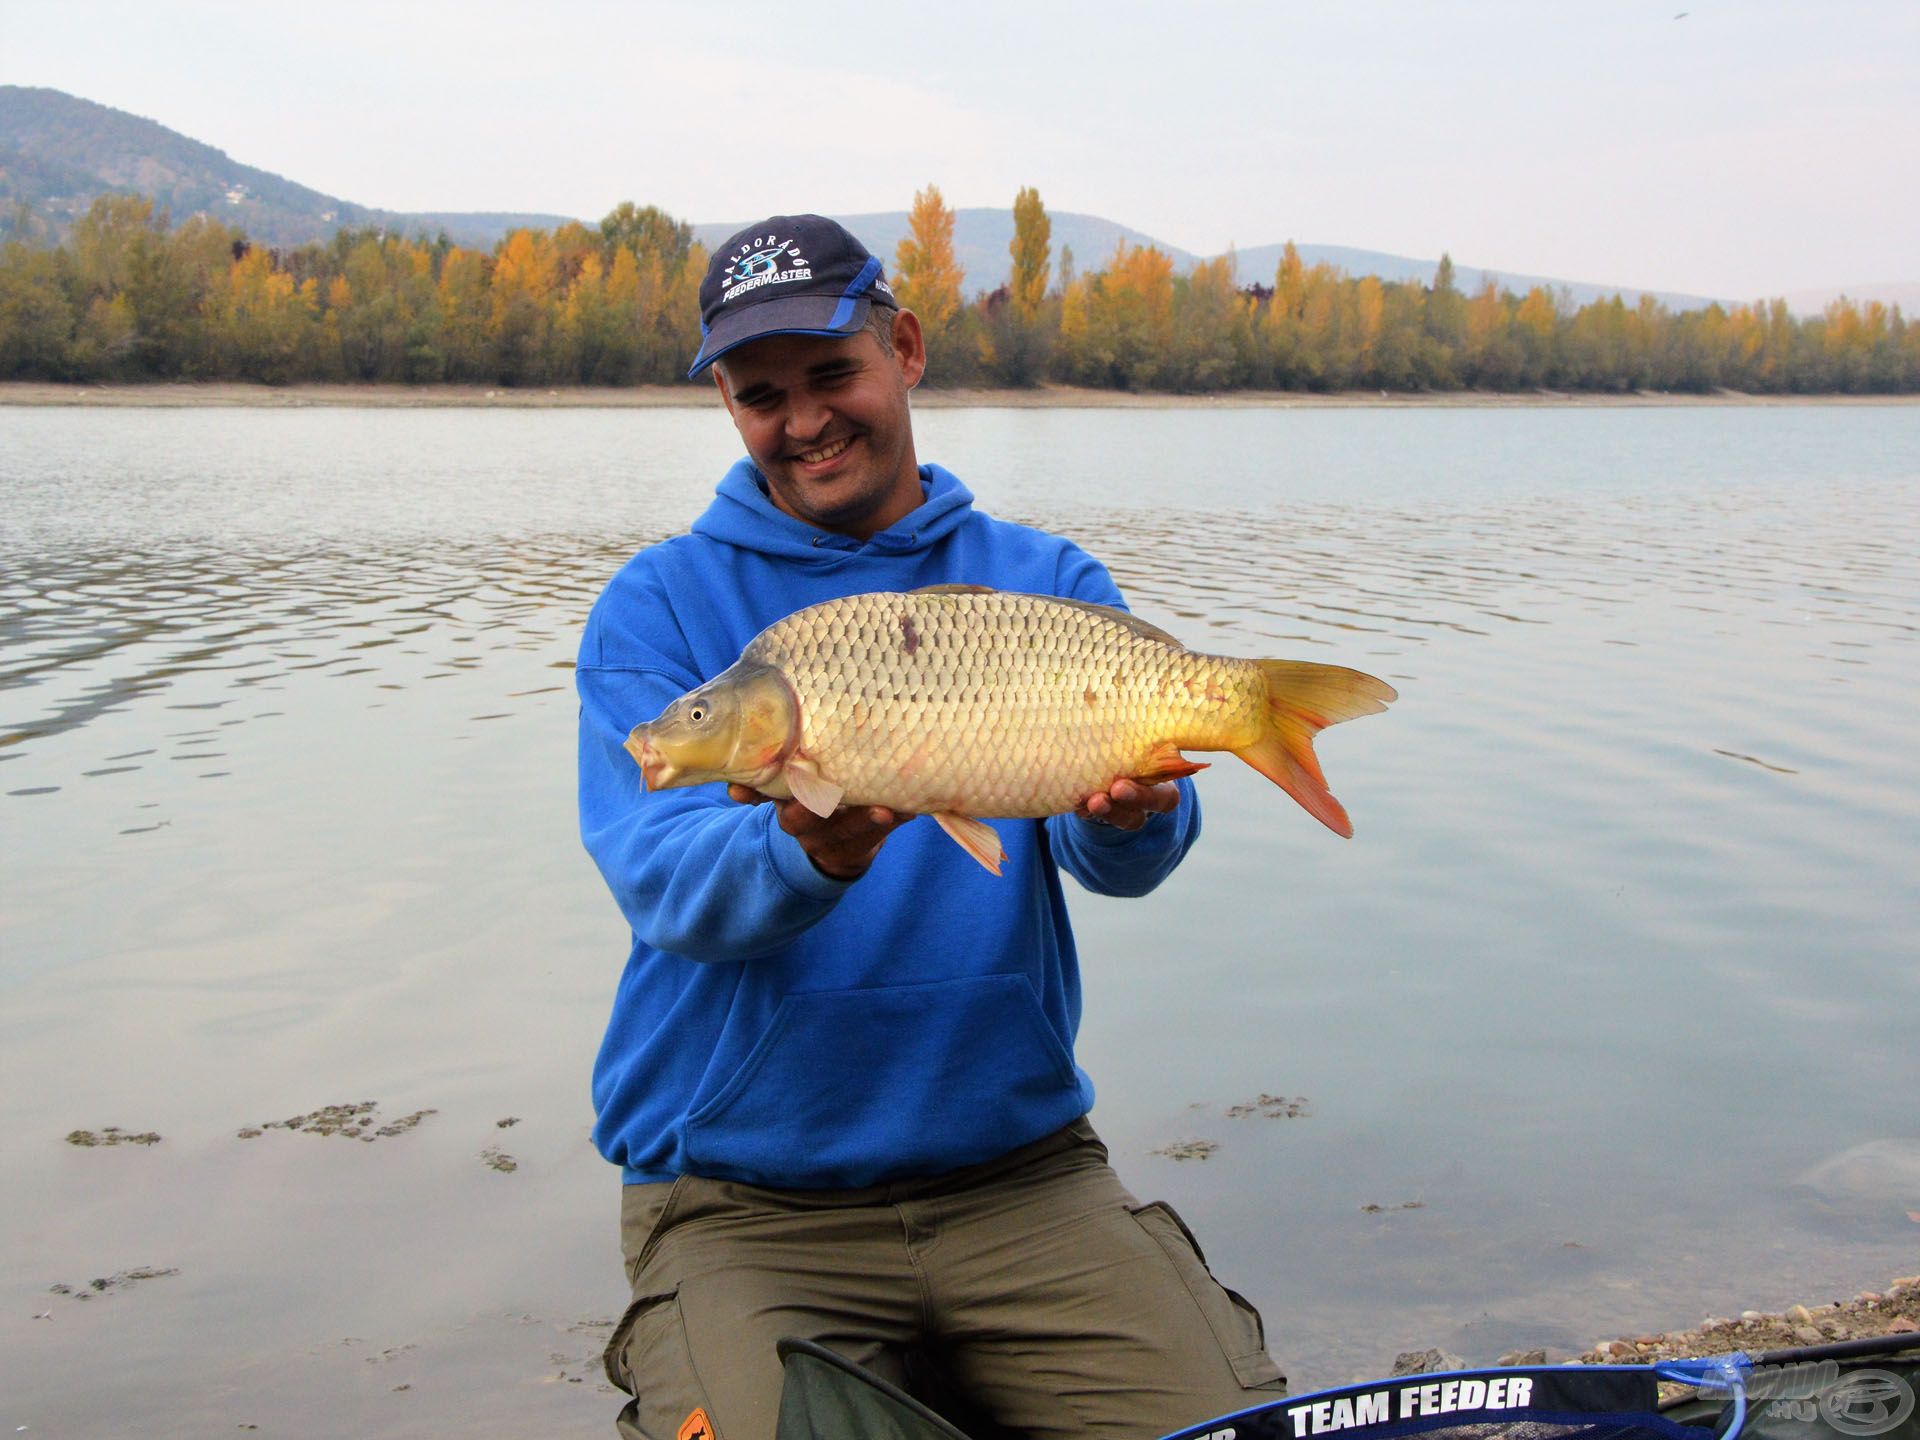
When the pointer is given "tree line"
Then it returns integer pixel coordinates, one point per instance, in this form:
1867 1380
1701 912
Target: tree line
130 297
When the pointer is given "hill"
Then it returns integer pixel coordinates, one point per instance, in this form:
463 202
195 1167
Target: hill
1262 261
58 153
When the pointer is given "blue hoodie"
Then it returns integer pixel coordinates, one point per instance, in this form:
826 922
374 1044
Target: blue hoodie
780 1027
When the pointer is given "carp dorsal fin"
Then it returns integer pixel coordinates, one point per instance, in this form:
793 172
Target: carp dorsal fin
811 788
955 589
1144 629
976 837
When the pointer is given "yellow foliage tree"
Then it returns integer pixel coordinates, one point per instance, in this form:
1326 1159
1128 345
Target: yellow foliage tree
466 309
523 313
263 319
1032 251
926 275
1130 318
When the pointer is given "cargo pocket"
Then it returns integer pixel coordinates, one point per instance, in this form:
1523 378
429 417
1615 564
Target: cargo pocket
648 1346
1236 1325
646 1214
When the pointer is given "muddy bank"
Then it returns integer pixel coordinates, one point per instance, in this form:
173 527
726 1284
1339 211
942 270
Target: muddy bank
426 397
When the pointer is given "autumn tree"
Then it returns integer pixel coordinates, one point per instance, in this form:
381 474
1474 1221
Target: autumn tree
1281 340
129 297
520 331
465 309
1016 342
1535 327
927 276
1129 325
1211 342
1032 251
264 320
1444 318
117 272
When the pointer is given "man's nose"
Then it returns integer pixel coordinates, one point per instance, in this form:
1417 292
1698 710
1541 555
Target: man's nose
807 415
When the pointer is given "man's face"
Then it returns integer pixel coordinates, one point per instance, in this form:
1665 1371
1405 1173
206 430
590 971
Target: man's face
826 419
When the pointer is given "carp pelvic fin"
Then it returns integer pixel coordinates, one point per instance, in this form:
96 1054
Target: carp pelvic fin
1302 700
976 837
811 788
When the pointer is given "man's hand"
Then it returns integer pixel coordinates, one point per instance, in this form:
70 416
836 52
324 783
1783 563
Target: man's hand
1127 804
842 845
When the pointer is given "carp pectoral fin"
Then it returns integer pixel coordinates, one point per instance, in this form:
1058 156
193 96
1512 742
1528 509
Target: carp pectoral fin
976 837
1165 762
1302 700
811 788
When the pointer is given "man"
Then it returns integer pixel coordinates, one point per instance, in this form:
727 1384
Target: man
839 1073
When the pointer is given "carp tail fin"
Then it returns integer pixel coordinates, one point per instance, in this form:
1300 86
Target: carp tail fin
1302 700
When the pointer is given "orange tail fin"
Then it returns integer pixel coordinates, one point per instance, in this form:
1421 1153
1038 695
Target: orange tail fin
1302 700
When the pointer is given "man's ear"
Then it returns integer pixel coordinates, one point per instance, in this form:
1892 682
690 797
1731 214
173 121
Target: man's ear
909 346
720 384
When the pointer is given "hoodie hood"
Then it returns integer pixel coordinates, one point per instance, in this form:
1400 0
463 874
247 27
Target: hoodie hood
743 516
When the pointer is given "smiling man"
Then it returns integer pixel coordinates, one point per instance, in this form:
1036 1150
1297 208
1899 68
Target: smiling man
839 1076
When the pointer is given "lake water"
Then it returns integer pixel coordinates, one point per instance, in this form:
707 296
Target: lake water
1624 947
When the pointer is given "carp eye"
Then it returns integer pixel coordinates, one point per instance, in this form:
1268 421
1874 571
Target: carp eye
697 714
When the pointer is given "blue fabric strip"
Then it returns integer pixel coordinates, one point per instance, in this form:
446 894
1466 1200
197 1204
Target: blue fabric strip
863 282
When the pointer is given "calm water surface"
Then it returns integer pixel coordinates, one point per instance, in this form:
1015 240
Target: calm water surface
1623 950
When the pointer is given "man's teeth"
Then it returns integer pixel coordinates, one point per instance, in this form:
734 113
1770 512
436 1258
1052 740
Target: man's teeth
825 452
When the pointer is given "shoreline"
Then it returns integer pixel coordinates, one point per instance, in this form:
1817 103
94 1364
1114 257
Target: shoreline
1892 1310
237 394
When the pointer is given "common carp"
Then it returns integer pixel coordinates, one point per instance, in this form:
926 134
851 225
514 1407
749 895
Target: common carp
962 702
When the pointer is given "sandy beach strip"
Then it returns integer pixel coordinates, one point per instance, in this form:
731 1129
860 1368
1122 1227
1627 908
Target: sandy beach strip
173 395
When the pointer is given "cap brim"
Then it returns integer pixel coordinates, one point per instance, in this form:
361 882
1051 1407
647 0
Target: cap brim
793 315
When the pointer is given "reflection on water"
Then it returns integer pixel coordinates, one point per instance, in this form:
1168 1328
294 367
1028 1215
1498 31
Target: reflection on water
1622 948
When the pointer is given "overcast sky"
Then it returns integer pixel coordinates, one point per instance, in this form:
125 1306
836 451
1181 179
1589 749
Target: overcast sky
1743 148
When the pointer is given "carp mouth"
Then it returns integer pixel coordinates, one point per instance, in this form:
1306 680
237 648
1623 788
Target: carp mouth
655 769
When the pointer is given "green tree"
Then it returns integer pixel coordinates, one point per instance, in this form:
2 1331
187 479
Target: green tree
1212 330
36 321
1445 323
647 230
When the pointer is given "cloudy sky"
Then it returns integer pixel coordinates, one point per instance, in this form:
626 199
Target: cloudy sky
1724 147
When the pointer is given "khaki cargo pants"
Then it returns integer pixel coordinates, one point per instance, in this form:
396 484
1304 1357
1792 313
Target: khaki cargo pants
1051 1298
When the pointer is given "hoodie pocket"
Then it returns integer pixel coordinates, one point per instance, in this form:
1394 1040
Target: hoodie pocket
848 1085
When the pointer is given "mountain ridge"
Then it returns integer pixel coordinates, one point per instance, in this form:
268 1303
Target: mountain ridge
58 152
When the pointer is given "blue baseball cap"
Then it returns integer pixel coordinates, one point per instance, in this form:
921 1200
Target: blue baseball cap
786 275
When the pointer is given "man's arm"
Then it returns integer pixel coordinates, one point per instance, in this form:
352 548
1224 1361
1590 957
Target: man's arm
693 872
1127 839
